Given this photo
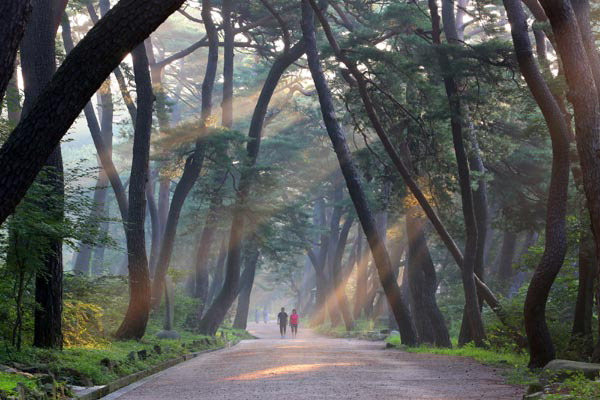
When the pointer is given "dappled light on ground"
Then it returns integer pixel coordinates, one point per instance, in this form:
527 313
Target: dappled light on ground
286 370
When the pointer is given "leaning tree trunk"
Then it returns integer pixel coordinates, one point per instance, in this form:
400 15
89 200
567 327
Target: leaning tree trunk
217 311
138 311
38 65
351 175
339 283
32 142
541 349
243 305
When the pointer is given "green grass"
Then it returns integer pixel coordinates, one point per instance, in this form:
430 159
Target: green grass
8 382
86 360
485 356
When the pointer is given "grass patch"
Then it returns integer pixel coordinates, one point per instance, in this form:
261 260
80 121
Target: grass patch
8 382
80 363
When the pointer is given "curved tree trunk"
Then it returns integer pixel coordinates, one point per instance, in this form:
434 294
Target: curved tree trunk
30 144
136 317
541 348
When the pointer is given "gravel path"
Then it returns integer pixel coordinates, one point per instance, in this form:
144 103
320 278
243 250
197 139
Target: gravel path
315 367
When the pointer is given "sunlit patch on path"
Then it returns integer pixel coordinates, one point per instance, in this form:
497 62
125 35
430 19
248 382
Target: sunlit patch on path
285 370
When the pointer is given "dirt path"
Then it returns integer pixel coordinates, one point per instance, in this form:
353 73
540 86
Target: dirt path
314 367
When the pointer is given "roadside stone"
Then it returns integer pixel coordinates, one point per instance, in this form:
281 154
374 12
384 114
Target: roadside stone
46 379
131 356
565 368
142 354
390 346
157 349
168 335
6 368
534 396
76 377
108 363
36 369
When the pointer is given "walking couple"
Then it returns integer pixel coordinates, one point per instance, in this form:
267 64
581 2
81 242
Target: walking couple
282 319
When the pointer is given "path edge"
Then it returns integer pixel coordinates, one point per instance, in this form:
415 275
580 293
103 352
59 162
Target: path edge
120 383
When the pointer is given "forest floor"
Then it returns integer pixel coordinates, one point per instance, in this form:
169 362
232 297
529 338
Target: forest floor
317 367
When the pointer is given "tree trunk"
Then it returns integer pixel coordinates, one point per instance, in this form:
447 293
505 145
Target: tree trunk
362 259
13 20
243 305
582 335
38 64
216 313
331 303
382 260
472 309
422 280
541 348
218 274
507 255
136 317
82 261
155 224
204 246
339 283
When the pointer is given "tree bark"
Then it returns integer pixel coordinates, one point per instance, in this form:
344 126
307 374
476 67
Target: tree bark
382 260
507 255
582 334
218 272
13 20
138 311
38 63
541 349
243 305
339 283
362 259
30 144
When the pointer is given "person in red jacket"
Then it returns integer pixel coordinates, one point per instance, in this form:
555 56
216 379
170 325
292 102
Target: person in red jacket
294 319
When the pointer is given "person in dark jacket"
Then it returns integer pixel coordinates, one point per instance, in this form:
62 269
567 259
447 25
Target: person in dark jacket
282 319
